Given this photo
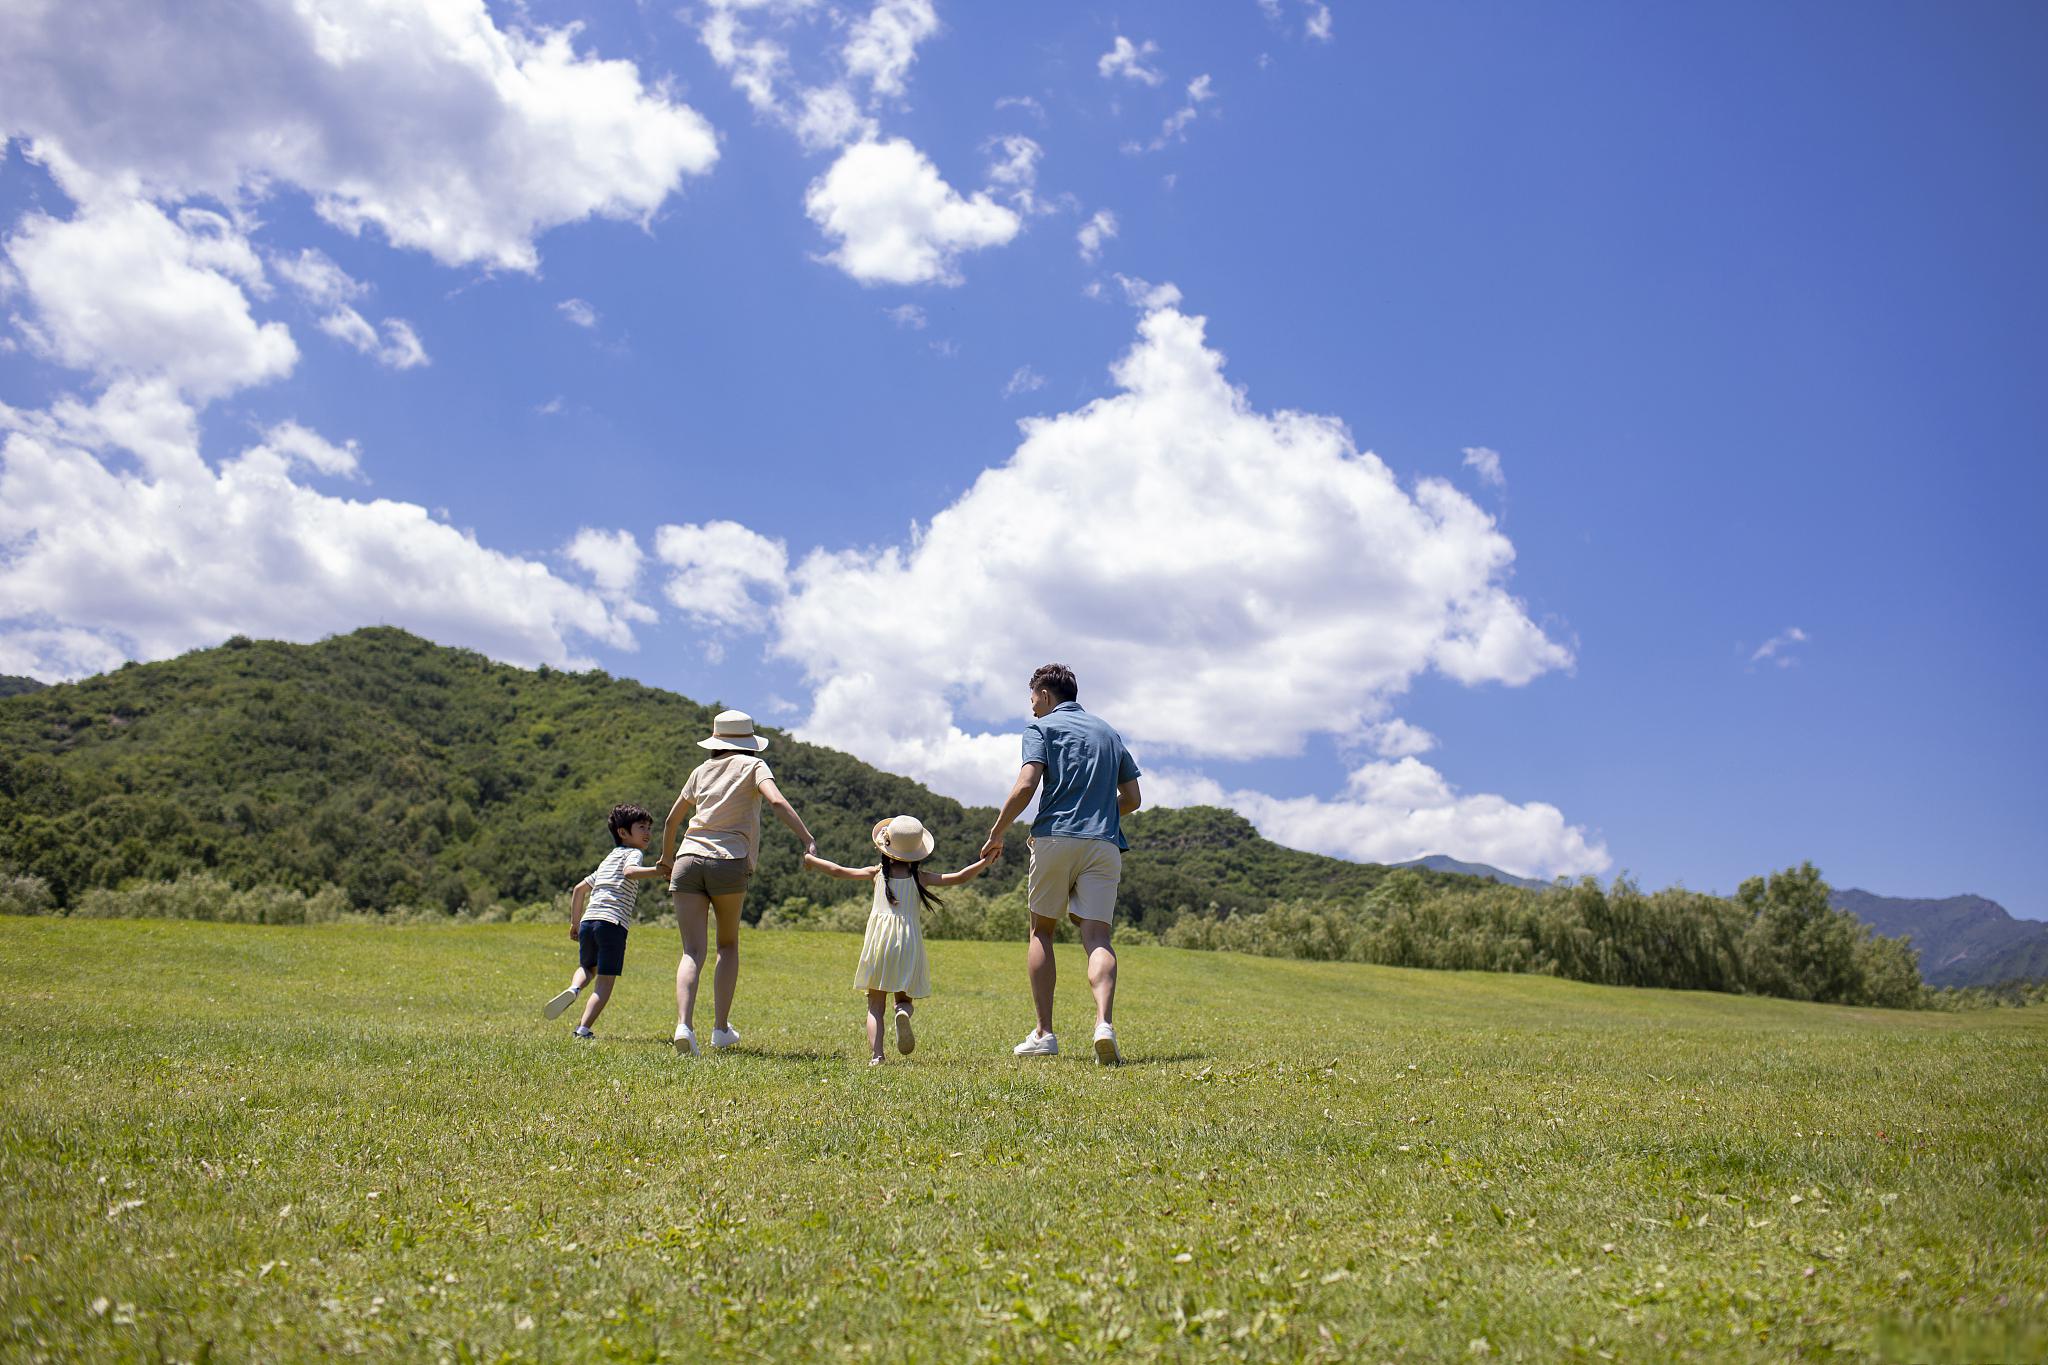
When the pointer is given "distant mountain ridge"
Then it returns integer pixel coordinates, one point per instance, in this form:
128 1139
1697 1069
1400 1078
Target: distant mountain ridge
1962 940
13 686
1440 862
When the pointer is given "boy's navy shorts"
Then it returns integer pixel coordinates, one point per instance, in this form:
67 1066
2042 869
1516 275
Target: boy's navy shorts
601 947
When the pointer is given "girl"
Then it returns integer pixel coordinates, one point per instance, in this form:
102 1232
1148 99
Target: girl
892 954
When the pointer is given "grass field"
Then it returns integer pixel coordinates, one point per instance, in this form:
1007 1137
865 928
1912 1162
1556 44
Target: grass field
284 1143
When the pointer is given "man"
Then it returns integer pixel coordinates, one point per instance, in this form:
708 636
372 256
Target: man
1077 846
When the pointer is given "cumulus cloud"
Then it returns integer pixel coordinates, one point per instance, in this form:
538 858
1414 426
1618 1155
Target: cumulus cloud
1094 233
578 312
398 348
120 289
1778 649
428 122
721 573
317 278
1015 173
1188 555
881 46
1128 60
750 40
99 564
1486 463
895 219
613 560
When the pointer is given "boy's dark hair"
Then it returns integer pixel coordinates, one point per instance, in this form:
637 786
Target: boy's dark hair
1057 679
624 818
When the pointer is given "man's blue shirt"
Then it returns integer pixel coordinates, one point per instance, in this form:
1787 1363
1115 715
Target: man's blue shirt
1085 762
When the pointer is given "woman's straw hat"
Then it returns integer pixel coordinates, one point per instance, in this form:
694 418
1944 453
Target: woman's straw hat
905 839
733 730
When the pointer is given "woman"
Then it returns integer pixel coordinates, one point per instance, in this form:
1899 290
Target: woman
723 798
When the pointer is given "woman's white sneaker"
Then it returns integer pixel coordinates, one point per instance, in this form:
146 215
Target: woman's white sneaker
1105 1046
1038 1044
685 1041
723 1038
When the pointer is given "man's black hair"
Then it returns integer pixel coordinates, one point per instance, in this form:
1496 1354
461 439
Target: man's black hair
1057 679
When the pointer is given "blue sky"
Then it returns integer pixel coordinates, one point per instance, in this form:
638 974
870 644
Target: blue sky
596 358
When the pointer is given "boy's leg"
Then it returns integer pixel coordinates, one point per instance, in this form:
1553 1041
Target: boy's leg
692 911
581 979
725 978
600 996
877 1002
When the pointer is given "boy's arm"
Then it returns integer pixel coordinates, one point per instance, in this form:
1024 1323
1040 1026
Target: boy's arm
641 874
832 869
960 878
579 897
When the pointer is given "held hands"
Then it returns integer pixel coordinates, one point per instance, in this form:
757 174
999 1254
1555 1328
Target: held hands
993 848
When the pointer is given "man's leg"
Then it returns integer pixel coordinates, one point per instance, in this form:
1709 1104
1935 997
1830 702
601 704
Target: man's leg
1101 968
725 979
692 911
1040 967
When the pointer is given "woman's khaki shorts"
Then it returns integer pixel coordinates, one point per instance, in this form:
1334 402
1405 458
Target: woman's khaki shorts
1076 877
709 876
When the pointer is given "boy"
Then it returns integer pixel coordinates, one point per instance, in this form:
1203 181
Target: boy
601 911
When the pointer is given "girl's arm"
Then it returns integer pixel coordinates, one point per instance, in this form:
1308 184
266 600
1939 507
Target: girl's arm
786 813
847 874
964 875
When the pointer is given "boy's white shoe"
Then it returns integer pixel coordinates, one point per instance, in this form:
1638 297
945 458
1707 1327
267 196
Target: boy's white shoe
1105 1046
553 1009
1038 1044
906 1038
723 1038
685 1041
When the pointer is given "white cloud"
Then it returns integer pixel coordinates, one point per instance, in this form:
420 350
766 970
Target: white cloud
122 290
881 46
1175 129
1016 174
613 560
317 278
98 564
1128 60
578 312
1024 102
907 315
896 221
427 122
399 348
1024 380
1777 649
722 573
1396 738
1094 233
1486 463
1318 24
829 116
1192 558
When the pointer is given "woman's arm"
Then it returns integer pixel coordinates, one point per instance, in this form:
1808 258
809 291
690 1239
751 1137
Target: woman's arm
676 815
960 878
847 874
786 813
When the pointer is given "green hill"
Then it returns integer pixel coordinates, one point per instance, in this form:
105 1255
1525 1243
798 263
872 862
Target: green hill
412 774
13 686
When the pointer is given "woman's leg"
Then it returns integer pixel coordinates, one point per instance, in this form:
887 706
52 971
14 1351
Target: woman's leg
725 977
692 908
878 1001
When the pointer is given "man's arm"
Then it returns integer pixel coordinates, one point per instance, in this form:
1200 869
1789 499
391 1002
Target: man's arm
1128 797
1020 796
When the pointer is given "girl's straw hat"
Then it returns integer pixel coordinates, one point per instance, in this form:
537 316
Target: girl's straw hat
905 839
733 730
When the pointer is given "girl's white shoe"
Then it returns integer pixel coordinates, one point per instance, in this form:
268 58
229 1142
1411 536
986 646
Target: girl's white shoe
906 1039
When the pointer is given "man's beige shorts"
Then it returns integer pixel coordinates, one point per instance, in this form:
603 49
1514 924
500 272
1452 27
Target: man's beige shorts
1074 877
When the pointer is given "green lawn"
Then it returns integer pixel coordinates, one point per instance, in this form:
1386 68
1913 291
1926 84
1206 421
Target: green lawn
281 1143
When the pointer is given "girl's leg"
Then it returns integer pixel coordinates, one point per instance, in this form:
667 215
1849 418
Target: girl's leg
878 1001
906 1037
904 1002
726 976
600 995
692 909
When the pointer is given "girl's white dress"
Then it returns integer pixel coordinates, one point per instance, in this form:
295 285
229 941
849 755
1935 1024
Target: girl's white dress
892 954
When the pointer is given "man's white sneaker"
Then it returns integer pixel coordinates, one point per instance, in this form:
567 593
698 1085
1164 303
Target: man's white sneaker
723 1038
1038 1044
906 1039
1105 1046
553 1009
685 1041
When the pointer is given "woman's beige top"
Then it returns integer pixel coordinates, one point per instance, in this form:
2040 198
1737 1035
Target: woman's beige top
725 822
